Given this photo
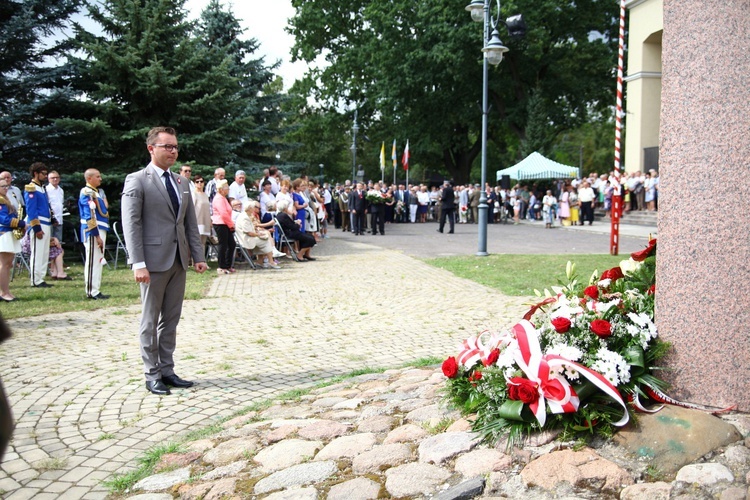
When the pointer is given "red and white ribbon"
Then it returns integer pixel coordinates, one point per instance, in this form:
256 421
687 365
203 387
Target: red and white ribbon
474 349
555 391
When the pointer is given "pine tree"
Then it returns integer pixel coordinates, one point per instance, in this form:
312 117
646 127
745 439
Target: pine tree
31 85
260 89
148 70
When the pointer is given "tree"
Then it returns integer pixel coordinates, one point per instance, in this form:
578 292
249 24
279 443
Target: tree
30 84
260 89
147 70
414 69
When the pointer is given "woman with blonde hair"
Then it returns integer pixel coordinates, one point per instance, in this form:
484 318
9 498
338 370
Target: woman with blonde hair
253 237
9 245
285 189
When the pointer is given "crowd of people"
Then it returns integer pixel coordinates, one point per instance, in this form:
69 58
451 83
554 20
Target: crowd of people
301 208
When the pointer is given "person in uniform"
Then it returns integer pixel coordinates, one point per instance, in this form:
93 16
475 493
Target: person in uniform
39 222
94 227
9 244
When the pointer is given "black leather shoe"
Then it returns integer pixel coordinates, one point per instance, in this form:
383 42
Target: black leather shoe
157 387
99 296
175 381
43 284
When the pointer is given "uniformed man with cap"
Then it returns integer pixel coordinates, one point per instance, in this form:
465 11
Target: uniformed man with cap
94 227
39 222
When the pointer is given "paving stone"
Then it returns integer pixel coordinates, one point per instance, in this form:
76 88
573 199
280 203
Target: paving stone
228 470
481 462
287 453
222 488
280 433
704 474
323 429
166 480
405 434
577 468
381 423
231 451
414 479
297 493
347 446
356 489
381 458
653 491
439 448
297 475
463 491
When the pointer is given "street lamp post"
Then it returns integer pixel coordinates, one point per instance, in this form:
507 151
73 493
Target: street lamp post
494 51
355 129
321 173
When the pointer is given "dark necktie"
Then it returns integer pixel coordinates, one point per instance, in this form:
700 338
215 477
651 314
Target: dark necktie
172 193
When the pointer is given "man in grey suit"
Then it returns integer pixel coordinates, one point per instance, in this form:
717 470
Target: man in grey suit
161 233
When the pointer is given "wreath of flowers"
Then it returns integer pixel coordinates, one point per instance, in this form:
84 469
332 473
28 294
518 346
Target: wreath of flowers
376 197
572 362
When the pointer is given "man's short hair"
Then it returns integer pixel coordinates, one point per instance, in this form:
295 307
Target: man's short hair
265 183
37 167
153 134
238 173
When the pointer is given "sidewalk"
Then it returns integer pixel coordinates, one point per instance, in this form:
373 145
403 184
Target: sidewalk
75 380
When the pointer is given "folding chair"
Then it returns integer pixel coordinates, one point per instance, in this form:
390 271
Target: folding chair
120 245
19 260
243 252
283 240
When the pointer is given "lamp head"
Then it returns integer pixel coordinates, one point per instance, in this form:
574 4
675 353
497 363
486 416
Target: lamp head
476 9
495 50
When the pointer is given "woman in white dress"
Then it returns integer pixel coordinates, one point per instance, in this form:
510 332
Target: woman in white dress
549 209
9 245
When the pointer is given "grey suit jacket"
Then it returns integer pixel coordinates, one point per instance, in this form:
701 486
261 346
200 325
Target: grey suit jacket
150 226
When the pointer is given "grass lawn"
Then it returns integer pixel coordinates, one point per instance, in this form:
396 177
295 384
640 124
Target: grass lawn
519 275
70 295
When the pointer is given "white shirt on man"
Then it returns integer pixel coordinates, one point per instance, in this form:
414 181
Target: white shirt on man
56 197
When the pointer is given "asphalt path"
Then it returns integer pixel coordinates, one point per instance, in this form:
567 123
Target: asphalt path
424 241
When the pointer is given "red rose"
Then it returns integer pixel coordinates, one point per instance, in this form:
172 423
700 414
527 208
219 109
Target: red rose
561 325
523 389
651 290
601 327
450 367
492 358
474 377
646 252
592 291
613 274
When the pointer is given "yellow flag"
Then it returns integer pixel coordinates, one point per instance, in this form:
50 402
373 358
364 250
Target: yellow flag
382 157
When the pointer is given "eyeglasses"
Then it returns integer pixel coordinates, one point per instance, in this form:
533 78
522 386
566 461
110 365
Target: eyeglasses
167 147
3 186
199 181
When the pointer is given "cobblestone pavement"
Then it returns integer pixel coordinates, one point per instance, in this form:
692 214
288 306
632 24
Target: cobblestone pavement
75 379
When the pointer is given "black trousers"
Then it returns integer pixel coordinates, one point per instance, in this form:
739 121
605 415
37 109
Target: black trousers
377 220
359 222
587 211
226 245
447 212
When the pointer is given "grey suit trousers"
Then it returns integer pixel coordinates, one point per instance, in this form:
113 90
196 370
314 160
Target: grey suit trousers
161 314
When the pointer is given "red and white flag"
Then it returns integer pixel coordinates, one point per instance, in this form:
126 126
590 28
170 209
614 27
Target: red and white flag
405 158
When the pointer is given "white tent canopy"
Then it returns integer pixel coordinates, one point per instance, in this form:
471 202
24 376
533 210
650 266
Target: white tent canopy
536 166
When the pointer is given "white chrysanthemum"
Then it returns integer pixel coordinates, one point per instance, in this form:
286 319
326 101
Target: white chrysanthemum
604 283
507 356
565 308
566 351
603 307
612 366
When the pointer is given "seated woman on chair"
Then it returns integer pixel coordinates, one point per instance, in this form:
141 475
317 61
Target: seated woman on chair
252 236
291 228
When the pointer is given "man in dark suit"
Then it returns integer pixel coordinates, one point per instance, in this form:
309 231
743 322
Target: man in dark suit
358 208
448 206
161 233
